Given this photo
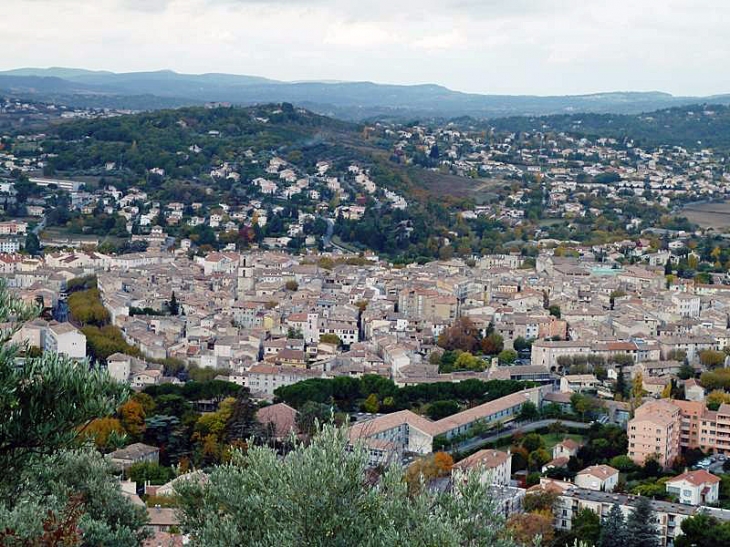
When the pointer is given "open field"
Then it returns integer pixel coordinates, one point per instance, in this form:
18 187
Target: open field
708 215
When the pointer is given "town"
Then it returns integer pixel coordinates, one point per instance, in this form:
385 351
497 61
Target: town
536 310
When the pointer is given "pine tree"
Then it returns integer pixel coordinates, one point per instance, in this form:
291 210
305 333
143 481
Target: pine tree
640 527
613 531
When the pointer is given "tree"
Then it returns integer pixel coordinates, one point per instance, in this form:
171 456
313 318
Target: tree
463 335
371 404
442 409
613 531
310 414
32 244
533 441
686 372
621 386
554 310
242 423
586 525
106 433
716 398
291 286
132 416
703 530
329 338
82 477
466 361
529 411
581 404
527 527
538 458
507 356
173 305
522 344
267 499
711 358
148 471
46 400
492 344
640 527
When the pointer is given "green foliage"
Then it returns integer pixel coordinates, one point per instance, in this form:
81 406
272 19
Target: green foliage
149 471
640 527
86 308
613 532
705 530
105 341
45 402
441 409
268 500
348 393
529 412
507 357
329 338
107 517
311 414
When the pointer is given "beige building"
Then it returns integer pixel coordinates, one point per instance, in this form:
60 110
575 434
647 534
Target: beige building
598 477
655 432
495 466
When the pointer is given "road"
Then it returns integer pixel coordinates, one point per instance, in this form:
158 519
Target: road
505 433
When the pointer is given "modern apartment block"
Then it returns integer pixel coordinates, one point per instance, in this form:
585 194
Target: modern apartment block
655 432
662 428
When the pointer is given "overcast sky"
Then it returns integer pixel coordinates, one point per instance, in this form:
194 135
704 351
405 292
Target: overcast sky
488 46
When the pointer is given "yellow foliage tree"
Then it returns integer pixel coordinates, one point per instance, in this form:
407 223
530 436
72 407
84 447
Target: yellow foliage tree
100 429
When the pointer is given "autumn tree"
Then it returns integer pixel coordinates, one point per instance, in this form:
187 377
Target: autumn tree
463 335
132 417
527 527
106 433
711 358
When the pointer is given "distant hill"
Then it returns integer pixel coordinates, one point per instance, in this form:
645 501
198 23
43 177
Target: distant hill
349 100
691 126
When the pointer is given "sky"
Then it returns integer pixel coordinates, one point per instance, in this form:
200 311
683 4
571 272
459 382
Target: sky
536 47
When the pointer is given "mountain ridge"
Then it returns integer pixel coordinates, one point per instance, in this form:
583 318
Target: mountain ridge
355 100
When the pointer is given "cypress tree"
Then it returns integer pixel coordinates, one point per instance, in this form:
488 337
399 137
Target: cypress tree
640 527
613 530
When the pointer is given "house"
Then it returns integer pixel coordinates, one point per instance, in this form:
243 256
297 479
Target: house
578 383
693 391
603 478
495 465
566 448
695 487
280 419
124 458
162 519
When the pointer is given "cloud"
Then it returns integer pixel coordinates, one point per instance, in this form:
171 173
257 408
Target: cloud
449 40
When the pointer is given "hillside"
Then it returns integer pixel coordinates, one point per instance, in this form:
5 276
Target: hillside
350 100
692 126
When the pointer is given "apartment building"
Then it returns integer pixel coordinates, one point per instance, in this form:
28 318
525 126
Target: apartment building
655 433
669 516
698 428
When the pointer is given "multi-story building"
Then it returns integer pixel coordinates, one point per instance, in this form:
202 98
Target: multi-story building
494 465
655 432
698 428
668 516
